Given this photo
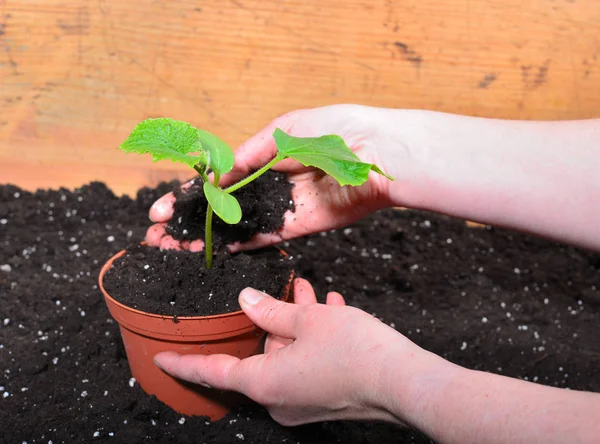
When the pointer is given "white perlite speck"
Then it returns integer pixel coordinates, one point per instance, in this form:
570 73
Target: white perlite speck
484 320
5 267
6 321
96 434
182 420
110 239
132 382
463 346
84 394
3 221
146 266
239 436
5 395
73 247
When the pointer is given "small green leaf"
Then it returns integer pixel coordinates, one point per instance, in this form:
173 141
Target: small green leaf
225 205
328 153
166 139
221 158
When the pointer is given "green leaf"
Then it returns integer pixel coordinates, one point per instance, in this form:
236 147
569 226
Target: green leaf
224 205
328 153
221 158
166 139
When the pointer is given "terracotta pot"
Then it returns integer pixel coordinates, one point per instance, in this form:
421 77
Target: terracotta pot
145 334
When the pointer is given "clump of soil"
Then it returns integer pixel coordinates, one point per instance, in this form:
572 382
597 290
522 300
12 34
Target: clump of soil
263 202
488 299
177 283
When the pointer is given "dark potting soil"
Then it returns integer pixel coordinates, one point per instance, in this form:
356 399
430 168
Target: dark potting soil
488 299
263 202
177 283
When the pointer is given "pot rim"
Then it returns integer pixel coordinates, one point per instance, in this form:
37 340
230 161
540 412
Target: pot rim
108 264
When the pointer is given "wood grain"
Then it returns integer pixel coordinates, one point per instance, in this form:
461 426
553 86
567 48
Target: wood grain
76 75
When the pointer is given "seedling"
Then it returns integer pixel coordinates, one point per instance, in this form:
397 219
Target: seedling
178 141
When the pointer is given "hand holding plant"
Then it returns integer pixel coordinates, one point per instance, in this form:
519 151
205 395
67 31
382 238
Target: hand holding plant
321 203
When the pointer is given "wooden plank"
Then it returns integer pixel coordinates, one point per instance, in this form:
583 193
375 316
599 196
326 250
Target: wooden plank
75 76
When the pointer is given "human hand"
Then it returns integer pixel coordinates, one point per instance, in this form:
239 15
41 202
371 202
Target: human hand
321 204
326 362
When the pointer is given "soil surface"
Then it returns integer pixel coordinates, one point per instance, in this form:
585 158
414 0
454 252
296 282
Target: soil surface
177 283
484 298
263 201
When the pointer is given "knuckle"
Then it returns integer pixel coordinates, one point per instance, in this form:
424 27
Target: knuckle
280 416
271 312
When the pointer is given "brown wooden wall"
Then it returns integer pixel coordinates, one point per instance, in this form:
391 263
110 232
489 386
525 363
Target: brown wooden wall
77 75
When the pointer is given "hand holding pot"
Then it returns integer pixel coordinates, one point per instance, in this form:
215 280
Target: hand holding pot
327 361
321 204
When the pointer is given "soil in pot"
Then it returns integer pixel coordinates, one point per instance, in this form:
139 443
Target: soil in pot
177 283
487 298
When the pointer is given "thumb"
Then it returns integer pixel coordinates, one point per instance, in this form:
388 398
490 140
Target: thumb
273 316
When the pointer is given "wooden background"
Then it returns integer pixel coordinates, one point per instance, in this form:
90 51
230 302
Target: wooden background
77 75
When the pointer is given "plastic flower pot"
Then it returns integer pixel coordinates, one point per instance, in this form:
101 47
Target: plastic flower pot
146 334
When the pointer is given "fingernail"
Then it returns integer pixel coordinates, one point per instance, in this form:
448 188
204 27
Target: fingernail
252 297
157 363
204 384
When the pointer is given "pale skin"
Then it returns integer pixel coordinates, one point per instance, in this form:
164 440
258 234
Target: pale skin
539 177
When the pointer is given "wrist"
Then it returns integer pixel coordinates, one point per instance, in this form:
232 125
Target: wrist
414 384
406 150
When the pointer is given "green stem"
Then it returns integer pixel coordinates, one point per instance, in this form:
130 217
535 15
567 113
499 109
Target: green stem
253 176
201 172
208 248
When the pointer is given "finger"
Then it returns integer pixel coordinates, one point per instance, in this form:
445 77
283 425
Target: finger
154 234
196 246
256 151
222 372
271 315
304 294
334 298
162 209
198 369
273 343
168 243
261 240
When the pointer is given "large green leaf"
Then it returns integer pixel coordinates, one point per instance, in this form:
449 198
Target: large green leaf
224 205
165 138
221 158
328 153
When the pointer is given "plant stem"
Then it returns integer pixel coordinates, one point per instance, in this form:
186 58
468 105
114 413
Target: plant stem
253 176
208 248
201 172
